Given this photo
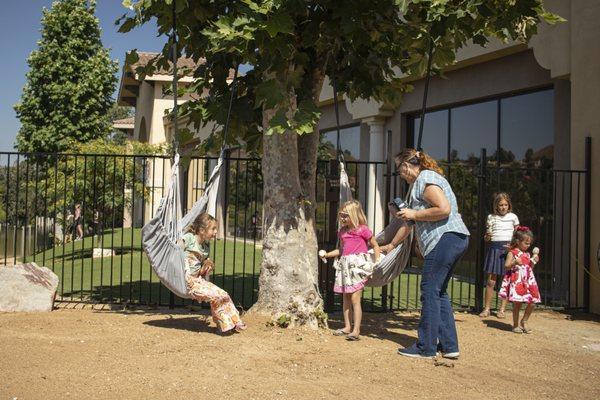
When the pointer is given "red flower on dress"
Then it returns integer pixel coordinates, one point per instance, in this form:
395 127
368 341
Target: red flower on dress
533 289
521 289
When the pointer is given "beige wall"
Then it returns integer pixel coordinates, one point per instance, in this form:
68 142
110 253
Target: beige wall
144 108
585 114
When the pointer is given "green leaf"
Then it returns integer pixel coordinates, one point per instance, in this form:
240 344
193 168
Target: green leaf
128 25
269 94
278 124
306 117
184 135
131 57
403 5
279 23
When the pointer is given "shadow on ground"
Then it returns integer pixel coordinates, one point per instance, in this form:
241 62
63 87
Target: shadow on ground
383 326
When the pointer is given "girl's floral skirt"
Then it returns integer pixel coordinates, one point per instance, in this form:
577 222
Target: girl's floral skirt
352 272
223 311
519 285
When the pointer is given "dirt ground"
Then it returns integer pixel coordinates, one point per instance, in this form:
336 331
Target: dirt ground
160 354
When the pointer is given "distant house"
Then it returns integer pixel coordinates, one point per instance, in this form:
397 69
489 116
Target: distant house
125 125
152 125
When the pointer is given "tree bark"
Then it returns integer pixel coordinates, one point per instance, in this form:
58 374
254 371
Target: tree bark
308 146
288 281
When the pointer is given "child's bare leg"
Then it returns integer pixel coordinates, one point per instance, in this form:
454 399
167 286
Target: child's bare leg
502 308
526 315
356 306
516 310
347 310
489 291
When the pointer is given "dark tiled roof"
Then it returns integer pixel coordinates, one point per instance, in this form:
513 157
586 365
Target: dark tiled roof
124 121
182 62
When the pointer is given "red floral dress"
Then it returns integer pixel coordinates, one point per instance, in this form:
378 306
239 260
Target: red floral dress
519 284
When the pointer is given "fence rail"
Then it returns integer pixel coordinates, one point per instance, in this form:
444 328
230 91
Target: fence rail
119 193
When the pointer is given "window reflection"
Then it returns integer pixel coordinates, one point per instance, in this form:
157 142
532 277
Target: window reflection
349 142
472 128
435 134
527 127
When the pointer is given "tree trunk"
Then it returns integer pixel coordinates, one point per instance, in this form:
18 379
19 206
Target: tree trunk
288 281
308 146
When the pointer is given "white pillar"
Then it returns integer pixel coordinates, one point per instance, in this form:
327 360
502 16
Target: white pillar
375 180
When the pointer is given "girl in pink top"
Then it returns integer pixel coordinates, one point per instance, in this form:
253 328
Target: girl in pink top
354 267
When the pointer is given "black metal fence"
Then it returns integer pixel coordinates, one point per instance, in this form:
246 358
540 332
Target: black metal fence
119 193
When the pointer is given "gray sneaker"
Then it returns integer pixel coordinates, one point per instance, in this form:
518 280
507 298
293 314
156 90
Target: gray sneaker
452 355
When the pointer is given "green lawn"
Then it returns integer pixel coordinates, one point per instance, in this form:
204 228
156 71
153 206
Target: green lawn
84 278
128 278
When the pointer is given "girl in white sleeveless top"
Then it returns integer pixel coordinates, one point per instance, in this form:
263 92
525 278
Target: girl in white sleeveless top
501 225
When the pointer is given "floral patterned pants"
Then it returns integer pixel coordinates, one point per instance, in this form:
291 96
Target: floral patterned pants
223 311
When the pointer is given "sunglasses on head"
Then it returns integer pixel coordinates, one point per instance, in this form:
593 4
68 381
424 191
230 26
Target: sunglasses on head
344 215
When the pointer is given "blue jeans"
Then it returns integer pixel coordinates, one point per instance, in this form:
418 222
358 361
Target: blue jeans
437 320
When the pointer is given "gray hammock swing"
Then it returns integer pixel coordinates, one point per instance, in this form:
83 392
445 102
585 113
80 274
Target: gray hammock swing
391 265
160 236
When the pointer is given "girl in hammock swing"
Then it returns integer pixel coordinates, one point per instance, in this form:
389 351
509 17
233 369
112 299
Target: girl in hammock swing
198 266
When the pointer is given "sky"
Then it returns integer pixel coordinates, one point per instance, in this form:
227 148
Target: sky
19 32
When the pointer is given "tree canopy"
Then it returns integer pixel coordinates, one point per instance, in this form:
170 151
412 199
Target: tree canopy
367 46
70 81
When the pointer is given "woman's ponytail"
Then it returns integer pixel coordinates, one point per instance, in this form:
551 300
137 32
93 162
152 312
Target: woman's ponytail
420 158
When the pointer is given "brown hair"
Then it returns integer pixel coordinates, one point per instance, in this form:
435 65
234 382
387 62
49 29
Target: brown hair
498 198
520 234
355 212
202 221
419 158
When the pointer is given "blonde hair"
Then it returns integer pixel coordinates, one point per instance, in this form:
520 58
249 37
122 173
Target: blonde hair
498 198
202 221
419 158
355 212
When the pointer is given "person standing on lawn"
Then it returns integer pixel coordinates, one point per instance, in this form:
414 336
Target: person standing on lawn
442 238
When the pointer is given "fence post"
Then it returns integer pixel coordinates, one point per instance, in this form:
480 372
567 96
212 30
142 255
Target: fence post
388 183
587 222
332 196
481 198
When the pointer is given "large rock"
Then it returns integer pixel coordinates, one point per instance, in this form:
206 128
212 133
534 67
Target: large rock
27 287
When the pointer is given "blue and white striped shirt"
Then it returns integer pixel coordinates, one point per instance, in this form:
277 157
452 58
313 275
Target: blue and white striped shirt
430 232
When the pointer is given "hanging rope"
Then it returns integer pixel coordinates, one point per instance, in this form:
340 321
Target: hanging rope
424 106
174 61
340 154
233 88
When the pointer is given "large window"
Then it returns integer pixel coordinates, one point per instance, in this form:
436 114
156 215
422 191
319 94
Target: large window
472 128
527 126
349 142
435 133
513 128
